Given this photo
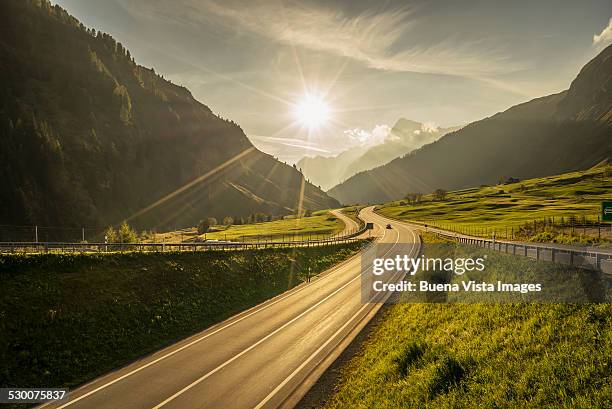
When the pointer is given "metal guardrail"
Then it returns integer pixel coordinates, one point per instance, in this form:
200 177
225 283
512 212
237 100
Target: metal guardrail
47 247
589 258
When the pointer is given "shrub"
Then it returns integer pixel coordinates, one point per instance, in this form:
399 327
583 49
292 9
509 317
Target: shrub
125 234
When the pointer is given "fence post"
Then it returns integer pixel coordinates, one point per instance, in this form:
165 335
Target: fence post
598 228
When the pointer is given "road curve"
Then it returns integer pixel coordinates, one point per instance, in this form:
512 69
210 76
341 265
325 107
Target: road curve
264 357
350 225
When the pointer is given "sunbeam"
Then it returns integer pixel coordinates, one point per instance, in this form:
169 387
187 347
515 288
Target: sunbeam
194 182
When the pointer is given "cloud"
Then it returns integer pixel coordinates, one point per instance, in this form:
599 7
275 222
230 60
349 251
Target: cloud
292 142
306 147
378 39
605 36
363 137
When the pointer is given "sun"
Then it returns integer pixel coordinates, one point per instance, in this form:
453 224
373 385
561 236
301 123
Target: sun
312 111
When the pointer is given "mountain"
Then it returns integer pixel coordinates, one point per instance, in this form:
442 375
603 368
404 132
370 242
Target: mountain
328 171
405 136
559 133
89 137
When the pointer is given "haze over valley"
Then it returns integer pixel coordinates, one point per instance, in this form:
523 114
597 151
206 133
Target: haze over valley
404 137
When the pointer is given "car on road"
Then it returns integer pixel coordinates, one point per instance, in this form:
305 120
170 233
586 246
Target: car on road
389 226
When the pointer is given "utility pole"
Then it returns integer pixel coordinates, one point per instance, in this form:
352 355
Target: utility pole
83 234
36 233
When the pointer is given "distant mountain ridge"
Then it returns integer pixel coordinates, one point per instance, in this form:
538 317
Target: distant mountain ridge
559 133
88 137
405 136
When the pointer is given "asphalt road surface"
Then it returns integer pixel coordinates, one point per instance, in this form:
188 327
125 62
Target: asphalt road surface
264 357
350 225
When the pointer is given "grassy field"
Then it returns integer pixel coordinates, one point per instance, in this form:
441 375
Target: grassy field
353 212
511 209
530 355
65 319
320 224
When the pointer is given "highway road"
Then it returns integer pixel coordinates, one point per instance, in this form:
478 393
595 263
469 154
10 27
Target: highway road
265 357
350 225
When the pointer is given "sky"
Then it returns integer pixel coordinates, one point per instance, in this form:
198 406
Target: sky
318 77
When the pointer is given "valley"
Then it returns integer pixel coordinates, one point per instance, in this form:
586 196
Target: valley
305 205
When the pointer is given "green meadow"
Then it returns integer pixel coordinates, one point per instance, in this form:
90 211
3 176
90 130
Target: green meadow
320 224
493 355
511 209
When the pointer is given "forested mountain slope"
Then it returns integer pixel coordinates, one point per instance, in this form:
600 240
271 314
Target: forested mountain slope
89 137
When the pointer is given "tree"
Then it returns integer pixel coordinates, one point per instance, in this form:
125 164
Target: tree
127 234
228 220
439 194
212 221
110 235
413 197
203 226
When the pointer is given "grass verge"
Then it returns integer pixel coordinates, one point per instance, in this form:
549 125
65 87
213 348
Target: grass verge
65 319
353 213
483 356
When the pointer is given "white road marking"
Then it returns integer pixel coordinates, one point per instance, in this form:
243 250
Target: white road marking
229 361
256 309
318 351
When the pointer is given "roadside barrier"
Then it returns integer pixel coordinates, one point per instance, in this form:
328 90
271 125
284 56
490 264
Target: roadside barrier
588 257
210 245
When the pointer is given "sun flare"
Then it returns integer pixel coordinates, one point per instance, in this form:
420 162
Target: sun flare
312 111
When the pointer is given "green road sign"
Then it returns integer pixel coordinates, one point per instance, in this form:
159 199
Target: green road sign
606 211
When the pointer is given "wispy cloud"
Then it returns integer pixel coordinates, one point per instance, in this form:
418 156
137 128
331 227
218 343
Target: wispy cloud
605 36
372 38
306 147
293 142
